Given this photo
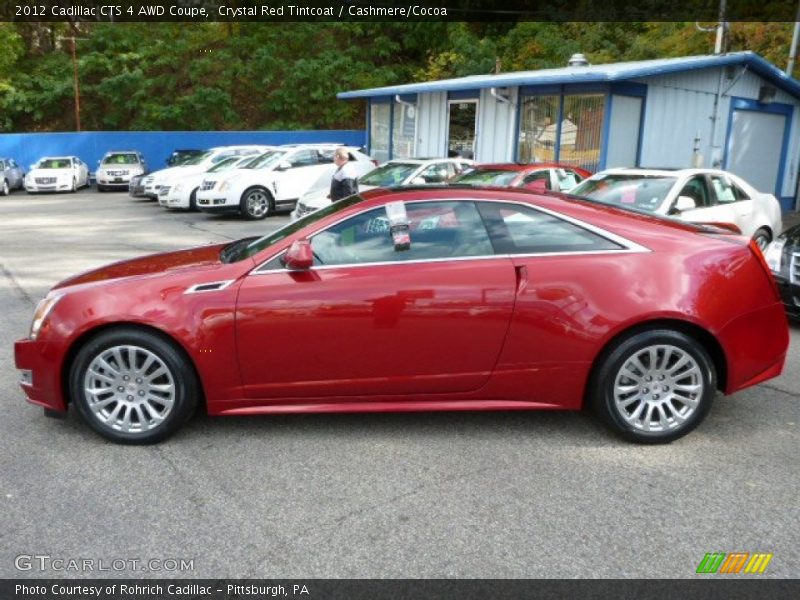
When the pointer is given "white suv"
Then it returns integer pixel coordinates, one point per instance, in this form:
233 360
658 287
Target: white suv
275 180
198 164
181 192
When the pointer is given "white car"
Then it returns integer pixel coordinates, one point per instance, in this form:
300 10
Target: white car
181 193
406 171
697 195
117 167
57 174
198 164
274 180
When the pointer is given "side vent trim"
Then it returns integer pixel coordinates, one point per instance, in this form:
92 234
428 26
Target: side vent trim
211 286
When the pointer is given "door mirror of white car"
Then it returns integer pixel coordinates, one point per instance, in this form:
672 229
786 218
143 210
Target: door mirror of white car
418 181
299 256
684 203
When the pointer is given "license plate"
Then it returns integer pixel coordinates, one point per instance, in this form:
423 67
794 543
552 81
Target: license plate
117 179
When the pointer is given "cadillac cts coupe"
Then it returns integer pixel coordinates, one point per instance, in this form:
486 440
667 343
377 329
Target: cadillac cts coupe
416 300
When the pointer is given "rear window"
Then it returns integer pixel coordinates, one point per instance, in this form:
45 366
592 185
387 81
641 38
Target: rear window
487 177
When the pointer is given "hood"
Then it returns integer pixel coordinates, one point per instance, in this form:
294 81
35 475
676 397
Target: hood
150 265
167 173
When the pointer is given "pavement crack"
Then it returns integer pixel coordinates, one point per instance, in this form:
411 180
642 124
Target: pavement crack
16 286
196 227
780 389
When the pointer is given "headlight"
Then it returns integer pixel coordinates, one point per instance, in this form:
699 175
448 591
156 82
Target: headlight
43 309
225 185
773 254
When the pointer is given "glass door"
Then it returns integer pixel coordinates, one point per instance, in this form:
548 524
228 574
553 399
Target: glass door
462 122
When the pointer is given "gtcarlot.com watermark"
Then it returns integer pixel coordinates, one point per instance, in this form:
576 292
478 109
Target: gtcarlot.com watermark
59 564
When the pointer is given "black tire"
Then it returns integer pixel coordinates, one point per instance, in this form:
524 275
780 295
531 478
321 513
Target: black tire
256 203
659 390
124 397
762 237
5 190
193 200
74 185
101 188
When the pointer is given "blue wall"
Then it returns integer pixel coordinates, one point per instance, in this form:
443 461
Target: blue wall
90 146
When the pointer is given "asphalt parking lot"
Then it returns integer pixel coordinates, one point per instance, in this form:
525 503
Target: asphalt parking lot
494 495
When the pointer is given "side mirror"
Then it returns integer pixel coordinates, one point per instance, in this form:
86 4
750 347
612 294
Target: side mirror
683 203
284 165
299 256
418 181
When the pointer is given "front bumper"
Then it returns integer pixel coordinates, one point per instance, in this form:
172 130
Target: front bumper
216 204
47 188
40 381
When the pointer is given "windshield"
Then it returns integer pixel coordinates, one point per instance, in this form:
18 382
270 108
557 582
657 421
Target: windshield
389 174
224 165
260 244
196 160
487 177
55 163
644 192
124 158
266 160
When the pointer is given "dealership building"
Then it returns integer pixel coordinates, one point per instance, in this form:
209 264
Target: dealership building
732 111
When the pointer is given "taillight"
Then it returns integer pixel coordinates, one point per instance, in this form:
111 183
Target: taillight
767 271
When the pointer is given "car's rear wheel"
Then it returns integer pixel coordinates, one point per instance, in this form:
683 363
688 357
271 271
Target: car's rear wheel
654 386
133 386
762 238
4 189
255 203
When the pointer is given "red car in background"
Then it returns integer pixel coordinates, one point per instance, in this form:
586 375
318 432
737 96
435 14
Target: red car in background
412 300
537 177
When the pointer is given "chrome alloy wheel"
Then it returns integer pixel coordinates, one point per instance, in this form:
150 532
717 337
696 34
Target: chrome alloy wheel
257 204
129 389
658 388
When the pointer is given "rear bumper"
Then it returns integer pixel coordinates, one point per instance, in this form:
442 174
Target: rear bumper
755 346
40 381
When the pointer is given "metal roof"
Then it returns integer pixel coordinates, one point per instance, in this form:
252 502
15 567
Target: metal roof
611 72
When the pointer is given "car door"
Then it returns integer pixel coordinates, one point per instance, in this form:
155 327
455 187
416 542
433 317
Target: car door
562 303
368 319
304 169
706 210
729 196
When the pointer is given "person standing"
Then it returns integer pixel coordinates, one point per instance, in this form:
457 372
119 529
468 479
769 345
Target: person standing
344 182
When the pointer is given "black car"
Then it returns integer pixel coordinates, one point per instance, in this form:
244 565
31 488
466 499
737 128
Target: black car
180 156
783 258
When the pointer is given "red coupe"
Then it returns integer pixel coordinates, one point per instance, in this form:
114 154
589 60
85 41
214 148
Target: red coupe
412 300
537 177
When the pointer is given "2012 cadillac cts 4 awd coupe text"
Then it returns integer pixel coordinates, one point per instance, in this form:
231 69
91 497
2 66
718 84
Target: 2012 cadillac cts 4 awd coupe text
413 300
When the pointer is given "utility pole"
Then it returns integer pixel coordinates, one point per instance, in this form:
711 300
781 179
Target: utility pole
719 46
75 83
793 49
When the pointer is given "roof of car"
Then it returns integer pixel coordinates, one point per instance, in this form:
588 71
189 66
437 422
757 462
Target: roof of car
520 166
122 152
668 172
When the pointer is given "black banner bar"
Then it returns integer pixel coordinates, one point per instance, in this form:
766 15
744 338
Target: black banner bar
708 588
207 11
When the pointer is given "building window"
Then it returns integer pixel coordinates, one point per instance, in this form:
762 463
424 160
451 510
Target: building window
582 131
570 134
404 130
380 120
538 129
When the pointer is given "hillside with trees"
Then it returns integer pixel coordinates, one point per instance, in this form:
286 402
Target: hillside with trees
249 76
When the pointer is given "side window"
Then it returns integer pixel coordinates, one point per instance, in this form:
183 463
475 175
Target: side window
538 181
437 230
12 163
567 179
697 190
723 189
304 158
436 173
517 229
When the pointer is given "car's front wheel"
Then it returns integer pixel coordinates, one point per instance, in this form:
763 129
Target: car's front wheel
133 386
654 386
4 189
762 238
74 187
193 200
255 203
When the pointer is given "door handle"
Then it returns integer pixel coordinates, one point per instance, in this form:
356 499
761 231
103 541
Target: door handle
521 272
